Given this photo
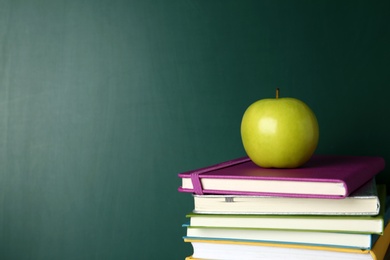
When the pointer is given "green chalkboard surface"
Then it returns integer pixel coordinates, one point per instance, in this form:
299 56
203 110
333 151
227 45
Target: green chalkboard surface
103 103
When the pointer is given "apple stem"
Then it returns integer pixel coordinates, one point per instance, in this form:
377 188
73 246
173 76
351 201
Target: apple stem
277 93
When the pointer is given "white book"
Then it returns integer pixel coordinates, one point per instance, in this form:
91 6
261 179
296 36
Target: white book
363 201
213 251
348 240
330 223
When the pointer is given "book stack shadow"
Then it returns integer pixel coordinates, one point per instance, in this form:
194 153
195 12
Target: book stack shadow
330 208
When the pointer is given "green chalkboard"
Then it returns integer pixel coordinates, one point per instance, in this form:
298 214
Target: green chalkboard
103 103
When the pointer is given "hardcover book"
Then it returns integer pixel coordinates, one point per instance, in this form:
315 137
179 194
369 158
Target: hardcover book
329 223
238 250
374 246
363 201
323 176
315 238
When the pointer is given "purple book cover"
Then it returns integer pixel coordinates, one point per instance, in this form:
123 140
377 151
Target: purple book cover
349 171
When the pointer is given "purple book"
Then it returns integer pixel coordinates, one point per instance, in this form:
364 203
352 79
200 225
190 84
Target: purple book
323 176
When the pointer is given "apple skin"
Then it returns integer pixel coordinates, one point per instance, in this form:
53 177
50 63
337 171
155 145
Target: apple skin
279 133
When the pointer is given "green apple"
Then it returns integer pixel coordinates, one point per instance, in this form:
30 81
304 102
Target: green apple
279 132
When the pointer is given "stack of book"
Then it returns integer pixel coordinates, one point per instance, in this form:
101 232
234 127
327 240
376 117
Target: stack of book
330 208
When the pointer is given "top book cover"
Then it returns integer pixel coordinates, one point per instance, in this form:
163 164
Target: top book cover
323 176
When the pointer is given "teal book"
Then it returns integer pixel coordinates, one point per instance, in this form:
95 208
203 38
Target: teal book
223 249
